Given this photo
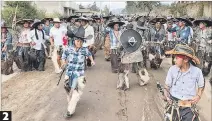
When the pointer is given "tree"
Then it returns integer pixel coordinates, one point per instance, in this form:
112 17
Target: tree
94 7
25 10
140 6
106 10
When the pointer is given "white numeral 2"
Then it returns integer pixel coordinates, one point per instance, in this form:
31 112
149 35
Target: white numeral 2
6 116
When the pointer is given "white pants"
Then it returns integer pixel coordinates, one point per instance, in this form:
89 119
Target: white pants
72 101
54 59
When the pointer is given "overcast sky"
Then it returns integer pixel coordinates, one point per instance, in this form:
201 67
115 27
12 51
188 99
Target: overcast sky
111 5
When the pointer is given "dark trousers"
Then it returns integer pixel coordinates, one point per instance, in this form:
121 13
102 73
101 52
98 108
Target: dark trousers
92 53
39 63
24 58
114 60
186 113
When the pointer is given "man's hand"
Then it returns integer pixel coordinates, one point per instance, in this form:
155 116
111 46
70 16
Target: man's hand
33 43
195 99
3 40
92 63
4 49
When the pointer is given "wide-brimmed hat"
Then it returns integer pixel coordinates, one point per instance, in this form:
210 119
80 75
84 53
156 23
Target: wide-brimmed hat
184 50
96 17
203 20
115 21
188 23
24 20
36 23
162 20
79 33
3 24
56 20
46 19
71 17
82 18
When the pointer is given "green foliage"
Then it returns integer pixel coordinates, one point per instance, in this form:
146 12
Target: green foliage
201 10
140 6
180 9
25 11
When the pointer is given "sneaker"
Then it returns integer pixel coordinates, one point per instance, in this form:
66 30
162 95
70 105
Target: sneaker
68 115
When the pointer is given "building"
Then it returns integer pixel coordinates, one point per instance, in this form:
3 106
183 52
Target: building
64 8
86 12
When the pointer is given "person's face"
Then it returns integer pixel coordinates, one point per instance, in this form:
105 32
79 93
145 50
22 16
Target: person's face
169 25
40 26
90 22
98 20
78 43
201 25
116 27
158 25
83 23
77 23
47 22
3 30
181 23
72 20
57 25
26 24
180 60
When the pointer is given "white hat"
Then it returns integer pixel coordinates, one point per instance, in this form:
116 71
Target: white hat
56 20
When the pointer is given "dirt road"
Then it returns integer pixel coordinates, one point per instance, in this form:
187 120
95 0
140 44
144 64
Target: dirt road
34 96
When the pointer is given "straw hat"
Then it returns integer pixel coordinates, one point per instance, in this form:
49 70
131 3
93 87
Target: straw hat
56 20
184 50
24 20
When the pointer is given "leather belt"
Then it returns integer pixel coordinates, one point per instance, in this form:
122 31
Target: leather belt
23 44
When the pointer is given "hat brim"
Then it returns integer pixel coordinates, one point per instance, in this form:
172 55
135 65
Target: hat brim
155 20
173 52
24 21
113 23
57 22
36 24
71 17
189 23
197 22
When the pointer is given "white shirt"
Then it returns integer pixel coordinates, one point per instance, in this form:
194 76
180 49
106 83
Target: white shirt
40 41
57 34
23 36
88 31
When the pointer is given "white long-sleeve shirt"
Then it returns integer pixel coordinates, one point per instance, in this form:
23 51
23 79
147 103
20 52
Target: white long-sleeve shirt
88 31
40 41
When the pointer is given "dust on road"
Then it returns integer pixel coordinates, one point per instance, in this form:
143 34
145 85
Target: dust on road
34 96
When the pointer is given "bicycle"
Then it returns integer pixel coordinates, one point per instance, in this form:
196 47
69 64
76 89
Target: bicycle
172 111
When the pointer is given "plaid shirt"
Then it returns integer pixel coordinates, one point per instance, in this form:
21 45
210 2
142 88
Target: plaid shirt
114 41
76 61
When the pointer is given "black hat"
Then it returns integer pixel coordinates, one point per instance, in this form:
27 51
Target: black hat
203 20
158 19
46 19
24 20
71 17
79 33
115 21
36 23
188 23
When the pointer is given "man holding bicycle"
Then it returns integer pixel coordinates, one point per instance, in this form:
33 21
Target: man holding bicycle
182 81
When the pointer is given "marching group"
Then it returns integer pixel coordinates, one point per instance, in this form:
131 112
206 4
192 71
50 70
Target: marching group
129 43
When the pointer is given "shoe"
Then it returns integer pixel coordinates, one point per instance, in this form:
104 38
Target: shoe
68 115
